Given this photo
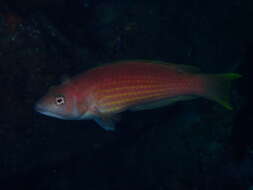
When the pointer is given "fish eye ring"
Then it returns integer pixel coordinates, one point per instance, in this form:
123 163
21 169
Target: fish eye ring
59 100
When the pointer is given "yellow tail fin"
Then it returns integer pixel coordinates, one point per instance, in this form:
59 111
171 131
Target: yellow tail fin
219 87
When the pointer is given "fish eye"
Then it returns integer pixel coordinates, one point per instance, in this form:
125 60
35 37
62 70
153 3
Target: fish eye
59 100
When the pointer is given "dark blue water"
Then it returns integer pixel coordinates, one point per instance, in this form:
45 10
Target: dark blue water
193 145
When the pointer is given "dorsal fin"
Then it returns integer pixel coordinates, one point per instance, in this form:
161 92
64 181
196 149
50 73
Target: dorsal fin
180 67
177 67
186 68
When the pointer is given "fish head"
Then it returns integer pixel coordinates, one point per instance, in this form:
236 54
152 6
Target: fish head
59 103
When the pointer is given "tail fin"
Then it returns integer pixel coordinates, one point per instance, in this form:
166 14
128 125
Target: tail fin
218 88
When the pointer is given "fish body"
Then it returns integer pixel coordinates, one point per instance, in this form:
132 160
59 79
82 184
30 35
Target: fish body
105 91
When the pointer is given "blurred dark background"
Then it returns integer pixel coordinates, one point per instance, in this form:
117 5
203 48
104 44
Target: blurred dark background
195 145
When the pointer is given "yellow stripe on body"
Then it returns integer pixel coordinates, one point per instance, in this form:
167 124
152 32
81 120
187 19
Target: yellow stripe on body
122 103
115 95
133 93
112 109
108 90
130 87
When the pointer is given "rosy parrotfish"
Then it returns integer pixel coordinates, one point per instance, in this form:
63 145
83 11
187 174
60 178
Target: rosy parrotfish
103 92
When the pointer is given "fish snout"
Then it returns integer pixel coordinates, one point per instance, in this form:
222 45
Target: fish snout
39 108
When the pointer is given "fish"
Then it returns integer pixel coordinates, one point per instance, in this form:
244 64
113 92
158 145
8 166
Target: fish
105 91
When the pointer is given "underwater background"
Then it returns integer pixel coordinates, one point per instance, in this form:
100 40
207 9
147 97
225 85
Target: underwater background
192 145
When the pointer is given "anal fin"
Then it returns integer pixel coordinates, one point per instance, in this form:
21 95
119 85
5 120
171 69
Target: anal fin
161 103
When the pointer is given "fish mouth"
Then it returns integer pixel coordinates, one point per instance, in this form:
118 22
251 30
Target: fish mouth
40 109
